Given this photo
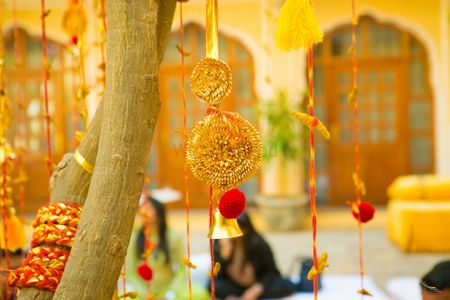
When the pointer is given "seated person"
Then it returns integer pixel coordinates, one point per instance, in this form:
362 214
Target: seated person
248 269
166 259
435 285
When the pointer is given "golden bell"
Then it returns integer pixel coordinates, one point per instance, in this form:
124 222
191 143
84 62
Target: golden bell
223 228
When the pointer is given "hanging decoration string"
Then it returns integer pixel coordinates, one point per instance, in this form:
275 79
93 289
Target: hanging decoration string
185 137
356 137
49 162
212 51
22 176
312 175
46 72
102 24
5 211
74 24
5 156
298 28
212 32
359 209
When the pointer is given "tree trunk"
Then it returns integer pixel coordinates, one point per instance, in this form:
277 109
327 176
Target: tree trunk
131 109
70 183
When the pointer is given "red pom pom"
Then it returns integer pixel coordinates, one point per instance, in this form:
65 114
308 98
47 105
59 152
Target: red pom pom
74 40
145 271
232 203
366 210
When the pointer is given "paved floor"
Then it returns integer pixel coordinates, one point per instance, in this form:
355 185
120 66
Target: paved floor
337 235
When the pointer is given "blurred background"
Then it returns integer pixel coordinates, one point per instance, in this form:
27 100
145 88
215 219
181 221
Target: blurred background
403 78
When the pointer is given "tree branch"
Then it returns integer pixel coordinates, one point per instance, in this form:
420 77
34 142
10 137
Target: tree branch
131 111
70 183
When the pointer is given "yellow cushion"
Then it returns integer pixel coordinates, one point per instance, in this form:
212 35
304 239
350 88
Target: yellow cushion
419 226
420 187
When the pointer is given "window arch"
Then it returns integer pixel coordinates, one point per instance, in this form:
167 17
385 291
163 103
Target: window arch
395 105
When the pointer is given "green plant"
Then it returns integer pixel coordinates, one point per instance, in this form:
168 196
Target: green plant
282 136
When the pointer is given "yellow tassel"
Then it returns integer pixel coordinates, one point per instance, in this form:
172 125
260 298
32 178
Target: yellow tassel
16 234
312 122
297 26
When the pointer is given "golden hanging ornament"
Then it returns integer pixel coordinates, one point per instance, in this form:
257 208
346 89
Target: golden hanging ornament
75 20
223 228
223 150
211 80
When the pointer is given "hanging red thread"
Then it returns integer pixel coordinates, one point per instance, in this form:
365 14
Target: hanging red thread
312 173
102 13
19 146
354 99
185 136
49 161
211 242
5 211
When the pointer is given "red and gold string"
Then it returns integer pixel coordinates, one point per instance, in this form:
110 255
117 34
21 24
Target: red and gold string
357 175
5 211
49 161
312 174
5 155
185 136
102 66
22 178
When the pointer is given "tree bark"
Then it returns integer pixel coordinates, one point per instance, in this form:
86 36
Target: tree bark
131 109
70 183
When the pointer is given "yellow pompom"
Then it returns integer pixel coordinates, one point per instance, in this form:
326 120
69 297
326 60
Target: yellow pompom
297 26
15 234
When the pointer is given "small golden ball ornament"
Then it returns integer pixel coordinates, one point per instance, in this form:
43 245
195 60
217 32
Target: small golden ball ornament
211 80
74 20
224 150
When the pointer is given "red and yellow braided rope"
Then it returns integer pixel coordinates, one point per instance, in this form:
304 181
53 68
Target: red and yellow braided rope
42 269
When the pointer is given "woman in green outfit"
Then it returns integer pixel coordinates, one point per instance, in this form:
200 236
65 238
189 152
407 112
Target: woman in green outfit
166 259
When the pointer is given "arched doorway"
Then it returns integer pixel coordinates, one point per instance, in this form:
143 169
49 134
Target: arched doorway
166 167
395 105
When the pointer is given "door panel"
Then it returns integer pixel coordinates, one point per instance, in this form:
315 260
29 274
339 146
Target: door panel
381 135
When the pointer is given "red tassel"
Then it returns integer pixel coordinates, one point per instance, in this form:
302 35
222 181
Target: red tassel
232 204
366 212
145 271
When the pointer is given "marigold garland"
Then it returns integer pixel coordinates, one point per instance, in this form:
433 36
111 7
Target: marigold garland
42 269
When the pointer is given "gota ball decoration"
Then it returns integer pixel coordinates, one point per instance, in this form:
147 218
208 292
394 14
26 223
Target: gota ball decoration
211 80
145 272
223 150
366 210
232 203
74 20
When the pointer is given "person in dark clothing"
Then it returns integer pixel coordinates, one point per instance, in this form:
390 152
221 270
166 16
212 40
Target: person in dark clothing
435 285
248 269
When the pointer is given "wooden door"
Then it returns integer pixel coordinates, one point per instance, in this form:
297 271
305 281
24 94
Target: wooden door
381 135
395 110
